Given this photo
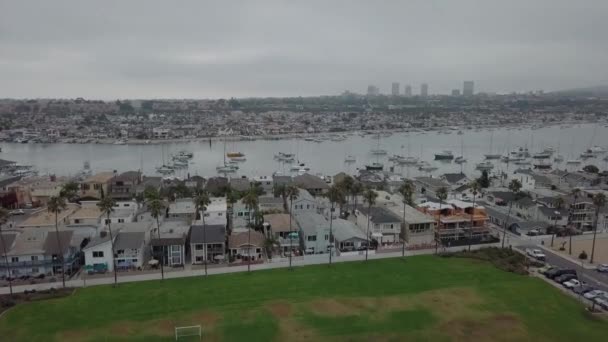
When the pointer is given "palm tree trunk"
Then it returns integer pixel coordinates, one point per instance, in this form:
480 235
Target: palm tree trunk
162 252
437 230
504 228
112 246
249 244
290 233
597 214
472 224
206 245
8 266
403 232
331 221
60 254
369 214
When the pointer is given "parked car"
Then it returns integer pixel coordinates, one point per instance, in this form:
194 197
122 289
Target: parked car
536 254
17 212
595 293
564 278
558 272
545 269
602 268
582 289
572 283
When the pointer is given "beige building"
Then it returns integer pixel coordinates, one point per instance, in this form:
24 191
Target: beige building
93 186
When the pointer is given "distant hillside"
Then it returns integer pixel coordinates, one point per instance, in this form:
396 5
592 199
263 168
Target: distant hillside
601 91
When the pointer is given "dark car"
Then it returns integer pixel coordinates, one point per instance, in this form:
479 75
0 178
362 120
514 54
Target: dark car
582 289
564 277
559 272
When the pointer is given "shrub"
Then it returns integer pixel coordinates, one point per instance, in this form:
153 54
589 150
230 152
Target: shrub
583 255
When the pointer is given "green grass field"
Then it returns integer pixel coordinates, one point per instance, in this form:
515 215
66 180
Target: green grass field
423 298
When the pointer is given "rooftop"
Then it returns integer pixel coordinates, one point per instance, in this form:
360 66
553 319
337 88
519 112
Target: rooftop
379 214
87 212
237 240
308 181
129 240
101 177
412 216
434 182
29 242
207 234
182 206
46 218
217 204
310 223
344 230
278 222
8 242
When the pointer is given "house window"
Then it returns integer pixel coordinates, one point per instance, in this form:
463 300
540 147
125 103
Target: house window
326 237
308 206
220 214
121 220
199 258
312 238
96 186
97 254
34 258
76 221
34 269
199 246
127 205
15 259
134 260
108 221
240 214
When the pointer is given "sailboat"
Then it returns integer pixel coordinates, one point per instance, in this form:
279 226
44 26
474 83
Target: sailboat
378 150
164 169
461 159
491 155
226 168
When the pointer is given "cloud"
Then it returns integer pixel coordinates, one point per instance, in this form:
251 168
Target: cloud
202 49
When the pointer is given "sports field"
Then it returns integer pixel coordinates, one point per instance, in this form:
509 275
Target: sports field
424 298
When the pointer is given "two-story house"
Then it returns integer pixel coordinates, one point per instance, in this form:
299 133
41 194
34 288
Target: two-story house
314 232
304 203
208 243
385 227
313 184
285 230
129 248
95 186
124 186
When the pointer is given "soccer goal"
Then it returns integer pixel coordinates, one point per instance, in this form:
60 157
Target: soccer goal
191 331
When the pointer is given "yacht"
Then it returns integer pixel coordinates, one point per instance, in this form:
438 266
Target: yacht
408 161
164 170
426 167
234 154
541 165
374 166
492 156
542 155
350 159
484 166
460 160
284 156
558 159
379 151
597 149
445 155
523 162
588 154
395 158
238 159
574 161
227 168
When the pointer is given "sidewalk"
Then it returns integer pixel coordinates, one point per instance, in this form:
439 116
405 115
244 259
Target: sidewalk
585 265
317 259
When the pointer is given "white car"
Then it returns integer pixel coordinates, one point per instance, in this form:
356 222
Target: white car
602 268
536 253
17 212
572 283
595 293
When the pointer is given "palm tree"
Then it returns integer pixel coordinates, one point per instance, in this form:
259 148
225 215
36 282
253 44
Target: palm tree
356 190
407 191
106 206
335 195
292 193
514 186
55 205
3 216
346 185
69 190
558 204
251 202
442 195
231 198
575 193
369 196
475 188
201 201
281 191
599 200
156 206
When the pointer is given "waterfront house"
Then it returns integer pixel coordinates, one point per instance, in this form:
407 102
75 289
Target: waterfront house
98 254
9 242
313 184
430 185
182 209
96 185
129 249
207 243
216 186
385 226
305 202
524 207
88 214
216 213
45 220
278 180
347 236
242 245
170 247
278 227
417 228
270 204
124 186
240 184
455 180
457 221
314 230
264 182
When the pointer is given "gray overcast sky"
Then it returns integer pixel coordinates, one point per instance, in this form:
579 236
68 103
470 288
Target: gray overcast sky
206 49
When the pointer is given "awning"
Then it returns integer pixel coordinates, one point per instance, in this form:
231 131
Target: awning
153 262
377 235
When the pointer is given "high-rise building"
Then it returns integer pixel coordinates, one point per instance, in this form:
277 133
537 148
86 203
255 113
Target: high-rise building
408 90
373 90
468 88
424 90
395 89
455 92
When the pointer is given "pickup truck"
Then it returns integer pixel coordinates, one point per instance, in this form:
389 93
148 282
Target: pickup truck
536 254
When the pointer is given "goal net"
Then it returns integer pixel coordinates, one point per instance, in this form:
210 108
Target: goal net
191 331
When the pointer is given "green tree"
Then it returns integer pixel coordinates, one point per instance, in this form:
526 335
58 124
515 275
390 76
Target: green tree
3 216
356 191
484 180
442 195
575 193
591 169
281 191
106 206
406 190
156 205
346 186
599 200
475 188
69 190
514 186
201 202
292 194
369 196
335 195
55 205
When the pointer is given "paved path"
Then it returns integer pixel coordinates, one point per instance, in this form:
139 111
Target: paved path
306 260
